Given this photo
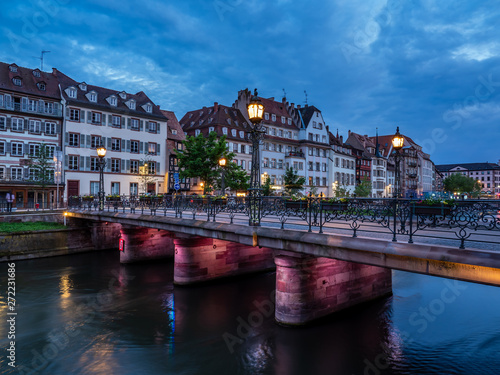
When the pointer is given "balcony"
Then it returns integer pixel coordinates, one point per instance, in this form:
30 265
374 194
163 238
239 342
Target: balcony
412 175
297 154
40 111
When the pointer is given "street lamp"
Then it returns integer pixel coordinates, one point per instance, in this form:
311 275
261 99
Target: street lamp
222 164
255 113
397 143
101 153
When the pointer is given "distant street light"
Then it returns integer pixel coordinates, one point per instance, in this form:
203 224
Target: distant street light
101 153
222 164
397 143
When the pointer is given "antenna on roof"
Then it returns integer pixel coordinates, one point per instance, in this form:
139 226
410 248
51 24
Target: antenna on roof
41 59
305 93
284 94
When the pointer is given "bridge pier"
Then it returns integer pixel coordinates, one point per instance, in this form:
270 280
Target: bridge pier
142 244
309 287
200 259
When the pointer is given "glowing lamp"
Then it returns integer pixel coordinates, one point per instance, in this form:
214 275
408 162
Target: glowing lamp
398 140
255 109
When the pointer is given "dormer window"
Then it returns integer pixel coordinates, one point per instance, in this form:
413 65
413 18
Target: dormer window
41 86
242 134
233 132
123 95
283 119
93 97
289 121
131 104
113 101
13 68
211 129
266 116
149 108
197 132
224 131
36 73
17 81
72 92
83 86
274 117
174 131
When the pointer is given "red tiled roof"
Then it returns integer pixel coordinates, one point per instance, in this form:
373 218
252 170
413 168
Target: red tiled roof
173 124
29 81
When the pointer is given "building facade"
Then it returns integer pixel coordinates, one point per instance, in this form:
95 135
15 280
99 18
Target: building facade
30 115
130 126
342 166
175 137
487 174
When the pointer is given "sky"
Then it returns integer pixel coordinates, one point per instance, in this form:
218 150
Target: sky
430 67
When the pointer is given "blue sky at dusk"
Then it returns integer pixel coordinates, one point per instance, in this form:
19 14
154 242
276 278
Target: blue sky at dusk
430 67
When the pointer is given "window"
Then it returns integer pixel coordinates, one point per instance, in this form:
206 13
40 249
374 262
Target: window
266 116
224 131
94 164
113 101
93 97
152 126
116 121
94 188
115 165
34 149
17 124
310 168
13 68
243 164
233 132
74 114
50 128
174 131
134 188
72 92
152 148
17 81
96 141
73 140
16 149
152 167
2 148
32 105
2 173
242 149
16 173
35 126
289 121
242 134
273 117
134 147
96 118
134 124
283 119
115 144
197 132
49 108
41 86
131 104
134 166
149 108
115 188
280 133
73 162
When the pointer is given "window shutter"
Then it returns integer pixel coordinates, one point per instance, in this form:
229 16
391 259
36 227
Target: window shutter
88 140
8 122
146 147
41 106
66 160
67 112
66 139
128 167
23 149
26 172
157 128
82 116
24 102
110 120
103 119
108 164
122 148
26 125
141 145
123 123
128 146
89 117
123 166
158 168
87 163
141 126
157 149
109 142
58 128
129 123
7 147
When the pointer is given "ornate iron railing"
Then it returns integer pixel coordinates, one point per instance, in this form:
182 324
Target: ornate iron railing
474 221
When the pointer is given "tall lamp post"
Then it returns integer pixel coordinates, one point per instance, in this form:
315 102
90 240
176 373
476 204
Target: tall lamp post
255 135
101 153
222 164
397 143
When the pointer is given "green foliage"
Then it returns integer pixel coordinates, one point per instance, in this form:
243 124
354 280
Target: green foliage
43 166
200 158
235 177
293 183
29 226
266 186
458 183
341 190
364 188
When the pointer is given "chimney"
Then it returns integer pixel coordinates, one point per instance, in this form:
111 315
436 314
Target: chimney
348 133
327 128
158 106
298 106
342 139
54 72
283 100
216 107
293 106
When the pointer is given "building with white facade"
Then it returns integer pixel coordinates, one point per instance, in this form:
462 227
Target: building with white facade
30 115
342 167
487 174
130 126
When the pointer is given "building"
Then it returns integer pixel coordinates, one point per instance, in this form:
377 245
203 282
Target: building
342 167
363 157
175 137
314 143
30 115
222 120
488 174
130 126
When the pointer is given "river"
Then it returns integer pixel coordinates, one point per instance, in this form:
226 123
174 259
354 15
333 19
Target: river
87 314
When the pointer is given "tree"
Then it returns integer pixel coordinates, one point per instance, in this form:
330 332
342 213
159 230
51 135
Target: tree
364 188
200 158
293 183
341 191
458 183
235 177
42 165
266 186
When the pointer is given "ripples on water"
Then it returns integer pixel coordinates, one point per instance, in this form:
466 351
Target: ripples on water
87 314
